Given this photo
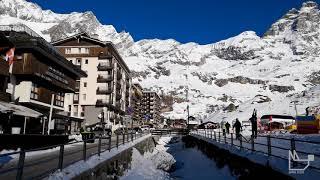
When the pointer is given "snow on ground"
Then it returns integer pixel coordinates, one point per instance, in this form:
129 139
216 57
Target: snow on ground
79 167
144 168
274 162
151 165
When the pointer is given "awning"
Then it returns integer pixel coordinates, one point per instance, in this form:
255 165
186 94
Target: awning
65 115
18 110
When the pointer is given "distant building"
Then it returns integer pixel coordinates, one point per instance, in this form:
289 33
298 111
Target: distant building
106 89
151 107
40 73
178 124
137 108
208 125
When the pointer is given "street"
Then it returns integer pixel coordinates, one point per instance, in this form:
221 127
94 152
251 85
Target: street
39 162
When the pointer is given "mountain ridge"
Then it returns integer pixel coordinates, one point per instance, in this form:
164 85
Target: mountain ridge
230 71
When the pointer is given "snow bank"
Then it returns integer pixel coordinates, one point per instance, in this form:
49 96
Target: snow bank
144 168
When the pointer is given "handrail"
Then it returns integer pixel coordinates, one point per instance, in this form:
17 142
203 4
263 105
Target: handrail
21 164
219 138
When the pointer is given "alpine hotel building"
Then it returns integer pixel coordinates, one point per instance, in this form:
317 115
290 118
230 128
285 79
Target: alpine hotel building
106 89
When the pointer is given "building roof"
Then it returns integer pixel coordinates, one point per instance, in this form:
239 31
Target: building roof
151 92
86 36
18 110
23 37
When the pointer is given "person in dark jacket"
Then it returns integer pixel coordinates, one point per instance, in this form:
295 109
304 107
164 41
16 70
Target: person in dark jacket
254 124
237 126
227 125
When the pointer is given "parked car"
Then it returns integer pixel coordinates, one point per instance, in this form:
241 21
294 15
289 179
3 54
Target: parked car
145 127
152 129
138 130
120 131
99 131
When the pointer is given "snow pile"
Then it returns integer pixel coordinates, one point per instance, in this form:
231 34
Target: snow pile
152 165
75 137
160 157
144 168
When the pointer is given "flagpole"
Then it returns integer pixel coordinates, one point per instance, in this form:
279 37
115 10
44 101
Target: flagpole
50 115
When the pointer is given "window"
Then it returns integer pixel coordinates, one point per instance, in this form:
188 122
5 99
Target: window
76 97
69 108
79 50
84 97
68 50
86 61
71 61
78 61
34 91
75 111
59 99
85 84
86 50
77 85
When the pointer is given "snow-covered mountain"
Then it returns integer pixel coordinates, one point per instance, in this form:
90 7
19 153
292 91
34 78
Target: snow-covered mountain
220 77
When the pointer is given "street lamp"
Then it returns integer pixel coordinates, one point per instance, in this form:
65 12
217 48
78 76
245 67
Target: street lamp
101 117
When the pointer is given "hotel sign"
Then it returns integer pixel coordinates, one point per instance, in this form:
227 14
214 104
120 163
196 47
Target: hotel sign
57 75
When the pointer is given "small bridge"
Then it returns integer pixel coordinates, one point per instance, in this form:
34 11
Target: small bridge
170 132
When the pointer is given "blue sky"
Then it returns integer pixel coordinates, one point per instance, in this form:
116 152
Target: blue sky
201 21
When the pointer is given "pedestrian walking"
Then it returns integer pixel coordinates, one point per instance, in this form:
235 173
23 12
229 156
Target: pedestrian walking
254 124
227 125
238 127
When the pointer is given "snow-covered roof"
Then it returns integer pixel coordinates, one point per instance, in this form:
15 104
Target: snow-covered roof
194 122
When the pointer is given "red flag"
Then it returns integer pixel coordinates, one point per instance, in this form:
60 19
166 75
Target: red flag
10 56
270 118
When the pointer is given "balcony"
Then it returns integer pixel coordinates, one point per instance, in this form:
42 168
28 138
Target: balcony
118 105
118 85
104 79
104 90
127 85
105 66
104 102
105 56
119 74
118 95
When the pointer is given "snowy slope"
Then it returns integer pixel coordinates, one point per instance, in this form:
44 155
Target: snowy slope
283 62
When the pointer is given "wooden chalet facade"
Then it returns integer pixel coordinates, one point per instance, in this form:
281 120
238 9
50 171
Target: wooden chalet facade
39 74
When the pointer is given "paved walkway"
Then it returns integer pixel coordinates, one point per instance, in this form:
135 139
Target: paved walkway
37 163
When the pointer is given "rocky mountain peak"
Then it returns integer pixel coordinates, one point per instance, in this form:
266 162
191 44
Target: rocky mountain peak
309 4
234 70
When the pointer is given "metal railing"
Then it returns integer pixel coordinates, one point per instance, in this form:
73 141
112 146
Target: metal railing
266 144
163 132
63 157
